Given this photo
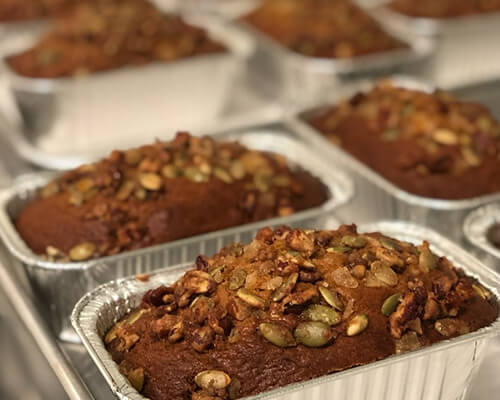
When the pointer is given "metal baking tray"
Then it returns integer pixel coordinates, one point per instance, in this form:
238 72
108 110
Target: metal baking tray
305 80
133 100
466 51
16 36
376 197
62 284
441 371
476 227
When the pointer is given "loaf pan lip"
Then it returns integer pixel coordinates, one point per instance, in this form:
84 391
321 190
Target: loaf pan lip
300 124
418 48
89 311
476 226
340 190
432 26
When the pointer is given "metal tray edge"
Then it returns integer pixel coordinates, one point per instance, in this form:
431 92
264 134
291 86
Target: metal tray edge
476 226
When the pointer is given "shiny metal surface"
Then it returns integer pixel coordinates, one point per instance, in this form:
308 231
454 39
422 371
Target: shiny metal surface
454 361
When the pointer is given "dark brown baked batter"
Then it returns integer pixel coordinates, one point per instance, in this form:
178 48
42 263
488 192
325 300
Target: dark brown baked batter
109 34
160 193
290 306
429 144
322 28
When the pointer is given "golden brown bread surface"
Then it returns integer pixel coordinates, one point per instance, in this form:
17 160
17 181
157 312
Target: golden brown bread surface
108 34
429 144
160 193
322 28
290 306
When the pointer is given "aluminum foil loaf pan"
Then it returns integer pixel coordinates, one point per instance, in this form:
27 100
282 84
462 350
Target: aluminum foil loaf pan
476 227
376 197
60 285
442 371
305 80
133 100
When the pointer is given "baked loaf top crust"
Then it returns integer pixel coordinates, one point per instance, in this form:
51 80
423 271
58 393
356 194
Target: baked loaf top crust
444 8
22 10
322 28
162 192
290 306
429 144
111 34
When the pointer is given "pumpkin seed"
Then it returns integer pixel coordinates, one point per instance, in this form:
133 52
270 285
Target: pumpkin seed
277 335
82 251
470 156
281 181
331 298
262 181
140 193
50 189
84 185
286 287
445 136
212 379
170 171
408 342
321 313
427 261
372 281
338 249
357 325
248 297
135 316
150 181
133 156
223 175
390 304
216 273
76 198
125 190
113 333
482 291
237 279
451 326
237 170
195 175
343 277
354 241
389 243
136 378
384 273
313 334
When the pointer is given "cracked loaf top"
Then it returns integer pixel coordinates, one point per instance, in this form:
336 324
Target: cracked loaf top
429 144
290 306
162 192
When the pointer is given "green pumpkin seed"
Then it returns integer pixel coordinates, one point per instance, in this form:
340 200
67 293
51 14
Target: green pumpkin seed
212 379
286 287
408 342
135 316
390 304
216 273
481 291
331 298
357 325
237 170
338 249
248 297
321 313
384 273
427 261
82 251
136 378
150 181
125 190
277 335
237 279
389 243
356 242
313 334
195 175
223 175
170 171
133 156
